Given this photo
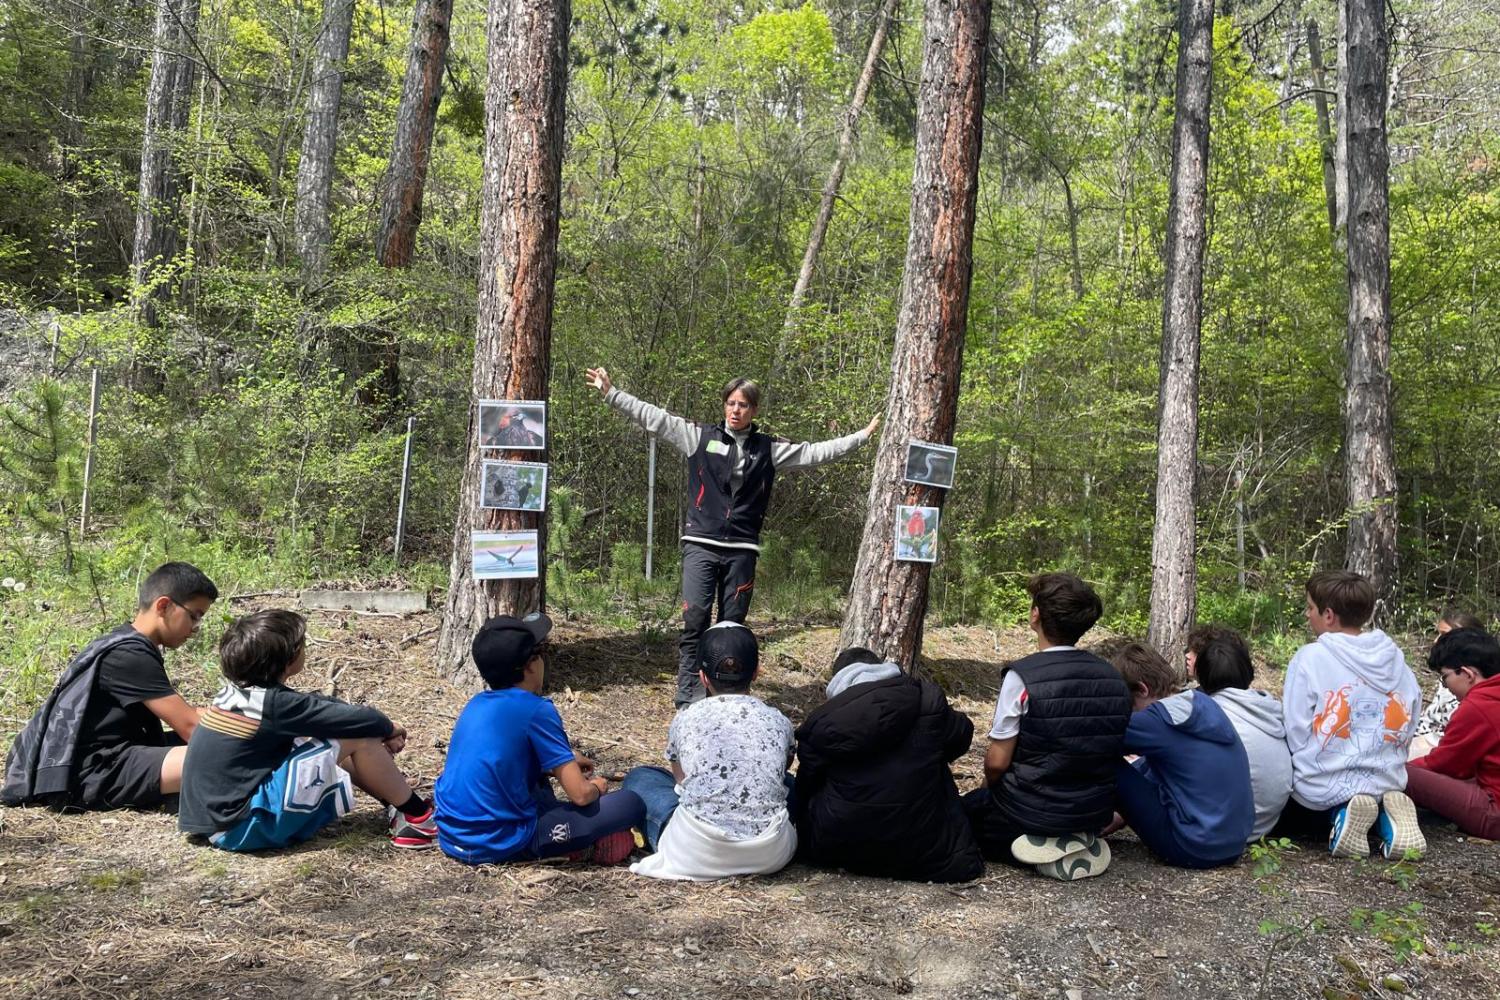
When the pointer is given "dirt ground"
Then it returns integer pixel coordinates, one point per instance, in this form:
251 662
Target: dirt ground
121 906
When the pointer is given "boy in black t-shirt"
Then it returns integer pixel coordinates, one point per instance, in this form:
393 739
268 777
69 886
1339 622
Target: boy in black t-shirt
124 756
269 766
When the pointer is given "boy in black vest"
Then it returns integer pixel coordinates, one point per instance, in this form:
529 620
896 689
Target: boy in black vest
731 467
1058 734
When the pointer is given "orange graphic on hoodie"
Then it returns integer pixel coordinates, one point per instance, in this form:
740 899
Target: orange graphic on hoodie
1396 718
1333 721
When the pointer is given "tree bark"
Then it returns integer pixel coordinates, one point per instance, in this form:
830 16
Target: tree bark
831 190
1325 139
416 117
169 98
1174 536
524 102
888 600
320 137
1369 452
1341 133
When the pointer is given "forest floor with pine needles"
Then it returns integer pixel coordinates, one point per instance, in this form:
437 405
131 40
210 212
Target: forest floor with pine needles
122 906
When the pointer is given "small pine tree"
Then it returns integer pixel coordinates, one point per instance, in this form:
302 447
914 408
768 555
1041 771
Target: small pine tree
41 456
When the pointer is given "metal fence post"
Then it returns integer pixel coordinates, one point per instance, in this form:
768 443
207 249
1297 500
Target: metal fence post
405 484
650 503
88 455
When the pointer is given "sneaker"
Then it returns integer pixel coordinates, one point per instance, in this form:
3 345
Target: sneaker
1085 862
1397 827
1350 836
412 833
1038 850
614 848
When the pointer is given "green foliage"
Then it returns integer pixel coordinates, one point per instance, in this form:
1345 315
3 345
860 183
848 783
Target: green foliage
1404 929
41 463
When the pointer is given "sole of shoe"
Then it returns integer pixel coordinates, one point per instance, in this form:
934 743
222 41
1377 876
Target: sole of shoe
1350 836
614 848
1084 863
1037 850
1399 831
412 843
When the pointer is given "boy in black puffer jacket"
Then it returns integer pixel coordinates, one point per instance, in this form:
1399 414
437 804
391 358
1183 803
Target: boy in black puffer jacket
874 793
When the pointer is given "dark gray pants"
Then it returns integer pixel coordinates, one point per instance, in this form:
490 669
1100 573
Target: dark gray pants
709 574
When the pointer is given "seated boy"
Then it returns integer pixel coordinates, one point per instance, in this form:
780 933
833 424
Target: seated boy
1224 672
1460 778
1059 731
98 742
269 766
874 792
1187 795
494 800
723 808
1351 704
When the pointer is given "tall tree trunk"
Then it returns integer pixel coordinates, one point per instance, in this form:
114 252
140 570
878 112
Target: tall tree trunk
315 169
169 98
1174 574
888 600
402 188
1325 139
416 116
1341 133
1369 453
524 101
831 190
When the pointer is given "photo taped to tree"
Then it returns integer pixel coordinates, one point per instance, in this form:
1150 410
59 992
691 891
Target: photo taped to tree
930 464
916 533
513 423
504 555
513 486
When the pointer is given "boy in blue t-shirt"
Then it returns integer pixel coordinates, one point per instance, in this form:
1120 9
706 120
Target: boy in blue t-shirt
1187 796
494 802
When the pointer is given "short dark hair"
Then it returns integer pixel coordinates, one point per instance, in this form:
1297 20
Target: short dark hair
1459 618
1201 635
1466 647
1066 606
1138 663
855 654
256 650
748 387
1224 664
1348 595
179 582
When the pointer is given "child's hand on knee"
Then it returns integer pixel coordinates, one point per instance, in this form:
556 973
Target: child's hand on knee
396 742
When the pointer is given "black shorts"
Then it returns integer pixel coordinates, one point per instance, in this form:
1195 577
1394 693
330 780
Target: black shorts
127 777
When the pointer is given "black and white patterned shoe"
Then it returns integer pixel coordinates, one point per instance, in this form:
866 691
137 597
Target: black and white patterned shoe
1083 863
1038 850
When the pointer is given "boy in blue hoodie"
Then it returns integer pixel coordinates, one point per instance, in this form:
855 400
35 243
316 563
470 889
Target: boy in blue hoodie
1188 795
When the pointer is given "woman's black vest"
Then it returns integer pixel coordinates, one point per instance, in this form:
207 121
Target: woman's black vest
717 511
1062 774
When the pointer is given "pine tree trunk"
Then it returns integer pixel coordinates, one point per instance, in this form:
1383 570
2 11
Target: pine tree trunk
1174 536
416 117
169 98
831 190
1369 453
319 139
1341 133
524 102
1325 140
888 599
402 188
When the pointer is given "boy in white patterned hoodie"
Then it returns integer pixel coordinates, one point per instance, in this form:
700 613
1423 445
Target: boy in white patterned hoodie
1351 706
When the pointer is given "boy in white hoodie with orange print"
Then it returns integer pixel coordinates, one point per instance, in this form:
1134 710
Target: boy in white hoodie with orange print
1351 706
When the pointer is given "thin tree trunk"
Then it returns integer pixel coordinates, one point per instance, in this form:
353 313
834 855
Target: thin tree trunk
1293 43
888 600
416 116
168 101
319 139
1341 134
524 102
1369 453
1174 536
1325 139
831 190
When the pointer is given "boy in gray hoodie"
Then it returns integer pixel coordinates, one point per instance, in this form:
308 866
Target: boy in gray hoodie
1351 704
1223 669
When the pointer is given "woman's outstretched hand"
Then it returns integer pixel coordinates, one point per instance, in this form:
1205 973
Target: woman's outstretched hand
599 379
874 423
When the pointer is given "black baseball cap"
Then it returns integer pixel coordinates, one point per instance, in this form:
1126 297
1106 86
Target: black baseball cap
504 644
728 654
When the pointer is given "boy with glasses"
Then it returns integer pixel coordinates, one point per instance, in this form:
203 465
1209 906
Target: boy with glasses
98 742
1460 778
